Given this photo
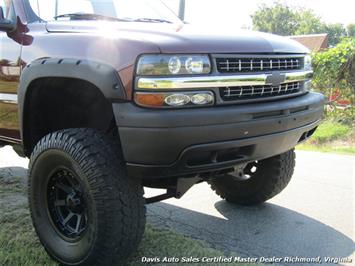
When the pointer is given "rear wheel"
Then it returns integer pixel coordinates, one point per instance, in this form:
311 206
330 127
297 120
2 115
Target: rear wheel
85 210
256 182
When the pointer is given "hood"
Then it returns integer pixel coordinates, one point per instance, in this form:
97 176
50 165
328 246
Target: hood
171 38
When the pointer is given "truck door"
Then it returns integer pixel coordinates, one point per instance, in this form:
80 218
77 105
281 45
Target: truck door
10 69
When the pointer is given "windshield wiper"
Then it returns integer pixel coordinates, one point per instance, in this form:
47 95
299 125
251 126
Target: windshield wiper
153 20
88 16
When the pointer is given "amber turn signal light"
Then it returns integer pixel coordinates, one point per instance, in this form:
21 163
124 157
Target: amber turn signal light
150 99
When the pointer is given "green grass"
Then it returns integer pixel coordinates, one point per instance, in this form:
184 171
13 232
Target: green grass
332 137
330 131
327 148
8 87
20 246
9 116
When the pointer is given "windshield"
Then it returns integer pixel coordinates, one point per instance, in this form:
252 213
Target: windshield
125 10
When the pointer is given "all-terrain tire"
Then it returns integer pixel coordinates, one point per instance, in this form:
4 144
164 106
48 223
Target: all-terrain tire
268 179
112 206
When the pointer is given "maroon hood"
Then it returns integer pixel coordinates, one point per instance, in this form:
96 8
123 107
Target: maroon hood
184 38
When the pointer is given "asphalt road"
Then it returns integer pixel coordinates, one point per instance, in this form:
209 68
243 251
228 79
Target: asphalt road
313 217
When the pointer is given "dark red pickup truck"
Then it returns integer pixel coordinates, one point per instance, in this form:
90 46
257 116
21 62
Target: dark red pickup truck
108 97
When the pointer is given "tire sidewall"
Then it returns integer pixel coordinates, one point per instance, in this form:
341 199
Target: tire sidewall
63 250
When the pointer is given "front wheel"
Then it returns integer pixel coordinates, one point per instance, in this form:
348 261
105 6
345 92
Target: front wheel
84 208
256 182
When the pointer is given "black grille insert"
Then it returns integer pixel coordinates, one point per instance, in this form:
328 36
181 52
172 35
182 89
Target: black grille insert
239 65
255 92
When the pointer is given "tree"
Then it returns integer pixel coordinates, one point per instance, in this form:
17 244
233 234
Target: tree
351 30
283 20
309 23
278 19
335 32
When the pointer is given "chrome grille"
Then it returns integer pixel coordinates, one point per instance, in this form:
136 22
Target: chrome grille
255 92
237 65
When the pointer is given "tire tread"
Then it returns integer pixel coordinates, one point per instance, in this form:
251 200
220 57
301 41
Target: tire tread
119 200
278 171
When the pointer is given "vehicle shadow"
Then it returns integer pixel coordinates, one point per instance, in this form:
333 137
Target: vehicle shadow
264 231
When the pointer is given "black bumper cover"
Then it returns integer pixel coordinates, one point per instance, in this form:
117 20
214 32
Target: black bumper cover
167 143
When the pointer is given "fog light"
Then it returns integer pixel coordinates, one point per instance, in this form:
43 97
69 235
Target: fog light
174 65
202 98
177 100
174 99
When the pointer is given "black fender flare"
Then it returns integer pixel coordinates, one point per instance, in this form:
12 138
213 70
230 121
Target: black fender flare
103 76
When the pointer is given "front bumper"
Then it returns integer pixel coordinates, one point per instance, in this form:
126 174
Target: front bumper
166 143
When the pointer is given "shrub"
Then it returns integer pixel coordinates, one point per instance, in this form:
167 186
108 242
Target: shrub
334 69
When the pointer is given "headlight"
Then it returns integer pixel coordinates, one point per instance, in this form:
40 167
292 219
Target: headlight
174 65
175 99
308 62
163 65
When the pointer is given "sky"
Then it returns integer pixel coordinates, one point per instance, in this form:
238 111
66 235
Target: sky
236 13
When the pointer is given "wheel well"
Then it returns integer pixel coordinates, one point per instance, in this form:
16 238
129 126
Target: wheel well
54 104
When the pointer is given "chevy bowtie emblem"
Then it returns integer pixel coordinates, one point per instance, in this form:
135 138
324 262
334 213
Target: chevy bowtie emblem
276 79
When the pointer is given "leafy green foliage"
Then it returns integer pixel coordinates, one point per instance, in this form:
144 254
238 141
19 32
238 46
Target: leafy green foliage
334 69
278 19
351 30
329 66
308 23
335 33
281 19
345 117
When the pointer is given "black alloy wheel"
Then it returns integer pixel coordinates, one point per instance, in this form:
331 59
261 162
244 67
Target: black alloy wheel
66 204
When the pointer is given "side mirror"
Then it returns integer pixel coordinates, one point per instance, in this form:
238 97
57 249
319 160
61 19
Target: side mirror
6 24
